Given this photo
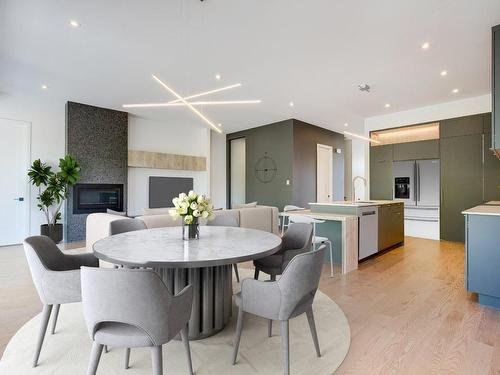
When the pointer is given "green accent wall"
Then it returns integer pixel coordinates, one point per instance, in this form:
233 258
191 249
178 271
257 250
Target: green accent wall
292 144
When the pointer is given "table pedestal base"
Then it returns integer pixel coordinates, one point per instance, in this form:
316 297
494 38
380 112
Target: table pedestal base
212 296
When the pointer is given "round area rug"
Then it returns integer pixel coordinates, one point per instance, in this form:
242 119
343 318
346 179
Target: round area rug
67 351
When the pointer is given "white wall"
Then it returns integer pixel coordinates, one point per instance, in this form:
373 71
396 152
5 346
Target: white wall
218 169
457 108
161 136
47 118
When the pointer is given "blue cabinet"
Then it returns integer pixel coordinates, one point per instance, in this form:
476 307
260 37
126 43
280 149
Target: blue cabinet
483 257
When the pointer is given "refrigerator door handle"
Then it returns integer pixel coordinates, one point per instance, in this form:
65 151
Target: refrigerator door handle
418 181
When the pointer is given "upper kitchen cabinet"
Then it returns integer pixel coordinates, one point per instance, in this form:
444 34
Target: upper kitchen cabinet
491 167
495 129
381 172
467 125
417 150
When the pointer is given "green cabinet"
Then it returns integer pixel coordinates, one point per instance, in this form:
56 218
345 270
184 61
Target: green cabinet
381 172
495 129
467 125
416 150
461 182
390 225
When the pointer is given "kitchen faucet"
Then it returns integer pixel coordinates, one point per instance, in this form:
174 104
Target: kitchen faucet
354 186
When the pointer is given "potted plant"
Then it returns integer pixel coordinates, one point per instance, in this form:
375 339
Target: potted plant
191 207
53 189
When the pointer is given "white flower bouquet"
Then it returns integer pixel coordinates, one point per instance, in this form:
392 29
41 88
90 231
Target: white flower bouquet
191 207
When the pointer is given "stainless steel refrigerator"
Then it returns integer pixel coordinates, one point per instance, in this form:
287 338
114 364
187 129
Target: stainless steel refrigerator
416 183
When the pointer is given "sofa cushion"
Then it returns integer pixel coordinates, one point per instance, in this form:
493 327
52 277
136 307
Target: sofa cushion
233 213
244 205
156 211
160 221
113 212
257 218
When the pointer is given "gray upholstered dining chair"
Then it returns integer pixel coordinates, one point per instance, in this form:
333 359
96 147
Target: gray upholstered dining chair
125 225
133 308
290 296
56 277
296 240
225 220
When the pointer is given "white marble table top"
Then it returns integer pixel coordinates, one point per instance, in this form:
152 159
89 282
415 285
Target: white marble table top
164 247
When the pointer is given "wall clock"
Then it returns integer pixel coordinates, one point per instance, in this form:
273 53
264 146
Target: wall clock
265 169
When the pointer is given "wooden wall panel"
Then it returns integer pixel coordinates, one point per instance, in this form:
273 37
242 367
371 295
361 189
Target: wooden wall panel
158 160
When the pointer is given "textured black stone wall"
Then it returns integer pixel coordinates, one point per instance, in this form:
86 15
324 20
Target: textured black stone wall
97 138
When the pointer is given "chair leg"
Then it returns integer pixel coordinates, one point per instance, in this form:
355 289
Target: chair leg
41 335
331 257
185 341
157 359
269 328
127 358
95 355
312 327
106 349
235 267
54 318
256 274
285 338
237 337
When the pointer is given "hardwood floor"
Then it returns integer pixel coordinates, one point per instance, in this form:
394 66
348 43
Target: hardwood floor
408 310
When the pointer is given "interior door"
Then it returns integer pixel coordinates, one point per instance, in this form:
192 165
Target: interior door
428 183
324 173
238 171
14 189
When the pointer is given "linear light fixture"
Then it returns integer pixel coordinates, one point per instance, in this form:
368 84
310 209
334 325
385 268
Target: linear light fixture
207 92
361 137
198 113
171 104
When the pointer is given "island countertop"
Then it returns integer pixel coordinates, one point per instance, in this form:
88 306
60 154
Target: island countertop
489 208
357 203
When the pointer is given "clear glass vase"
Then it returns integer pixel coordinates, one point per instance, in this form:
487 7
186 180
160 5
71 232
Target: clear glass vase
191 231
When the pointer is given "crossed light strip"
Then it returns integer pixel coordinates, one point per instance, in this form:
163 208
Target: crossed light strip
183 101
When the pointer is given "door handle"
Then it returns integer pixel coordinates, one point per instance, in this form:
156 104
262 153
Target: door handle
20 199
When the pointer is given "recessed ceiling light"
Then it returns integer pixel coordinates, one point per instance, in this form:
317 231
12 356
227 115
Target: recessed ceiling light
219 124
218 77
346 124
387 105
44 87
455 91
444 73
291 104
75 23
426 45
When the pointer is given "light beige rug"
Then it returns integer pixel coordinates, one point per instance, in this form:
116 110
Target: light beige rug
67 351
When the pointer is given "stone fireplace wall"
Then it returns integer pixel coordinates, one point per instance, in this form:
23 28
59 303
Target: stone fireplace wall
97 138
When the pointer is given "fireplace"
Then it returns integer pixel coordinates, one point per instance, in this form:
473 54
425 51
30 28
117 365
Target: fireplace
89 198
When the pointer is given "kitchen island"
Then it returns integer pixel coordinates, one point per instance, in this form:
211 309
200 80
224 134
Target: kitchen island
361 228
482 252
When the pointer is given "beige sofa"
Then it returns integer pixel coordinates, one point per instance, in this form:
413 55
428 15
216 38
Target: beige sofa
260 217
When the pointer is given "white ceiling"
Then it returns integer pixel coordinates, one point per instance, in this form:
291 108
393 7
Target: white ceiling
313 53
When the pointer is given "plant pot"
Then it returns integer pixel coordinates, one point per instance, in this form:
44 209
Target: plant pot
190 231
55 232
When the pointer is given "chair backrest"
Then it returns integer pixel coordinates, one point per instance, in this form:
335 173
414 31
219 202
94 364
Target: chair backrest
223 221
125 225
45 251
297 236
135 297
300 280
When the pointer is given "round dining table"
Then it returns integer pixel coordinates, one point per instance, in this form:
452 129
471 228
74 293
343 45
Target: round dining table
205 263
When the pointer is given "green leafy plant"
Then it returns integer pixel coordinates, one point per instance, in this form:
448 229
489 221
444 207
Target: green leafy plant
53 187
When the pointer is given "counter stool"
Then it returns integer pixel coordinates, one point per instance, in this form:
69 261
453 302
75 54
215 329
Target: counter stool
316 239
286 221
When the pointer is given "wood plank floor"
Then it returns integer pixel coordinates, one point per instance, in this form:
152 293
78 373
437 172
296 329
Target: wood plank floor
408 311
